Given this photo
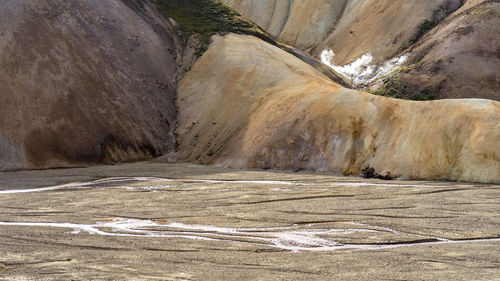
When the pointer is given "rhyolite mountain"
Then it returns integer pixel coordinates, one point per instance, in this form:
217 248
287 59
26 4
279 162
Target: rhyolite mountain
453 46
89 82
266 109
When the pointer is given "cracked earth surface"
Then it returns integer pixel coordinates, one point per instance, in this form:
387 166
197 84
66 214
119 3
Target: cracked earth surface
152 221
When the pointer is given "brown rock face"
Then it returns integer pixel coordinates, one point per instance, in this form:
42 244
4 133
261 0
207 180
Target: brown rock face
263 108
84 82
460 58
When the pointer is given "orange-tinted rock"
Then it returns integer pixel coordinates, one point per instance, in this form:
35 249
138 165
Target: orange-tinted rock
261 107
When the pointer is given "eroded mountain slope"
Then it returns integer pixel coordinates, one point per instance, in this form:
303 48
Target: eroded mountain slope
95 82
84 82
350 28
87 82
263 108
453 42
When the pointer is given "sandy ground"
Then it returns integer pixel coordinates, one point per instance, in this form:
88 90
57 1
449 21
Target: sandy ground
151 221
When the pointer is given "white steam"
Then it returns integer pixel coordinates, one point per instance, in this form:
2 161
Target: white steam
361 72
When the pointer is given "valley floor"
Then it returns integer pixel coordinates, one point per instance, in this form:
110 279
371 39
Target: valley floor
153 221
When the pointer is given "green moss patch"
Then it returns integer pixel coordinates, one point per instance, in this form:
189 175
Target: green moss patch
427 93
394 87
205 17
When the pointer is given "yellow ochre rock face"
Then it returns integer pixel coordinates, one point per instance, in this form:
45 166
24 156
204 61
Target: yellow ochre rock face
248 104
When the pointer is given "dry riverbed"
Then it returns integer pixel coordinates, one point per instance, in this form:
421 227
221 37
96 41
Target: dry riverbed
152 221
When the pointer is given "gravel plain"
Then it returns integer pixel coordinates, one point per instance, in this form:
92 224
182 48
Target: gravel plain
154 221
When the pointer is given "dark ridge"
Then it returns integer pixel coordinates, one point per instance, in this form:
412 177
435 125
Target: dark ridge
438 16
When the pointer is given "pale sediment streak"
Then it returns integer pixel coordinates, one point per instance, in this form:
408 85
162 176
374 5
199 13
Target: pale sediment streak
83 185
246 181
360 184
155 186
293 238
102 182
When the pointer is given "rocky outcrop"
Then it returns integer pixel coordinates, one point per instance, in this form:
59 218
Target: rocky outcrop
84 82
263 108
